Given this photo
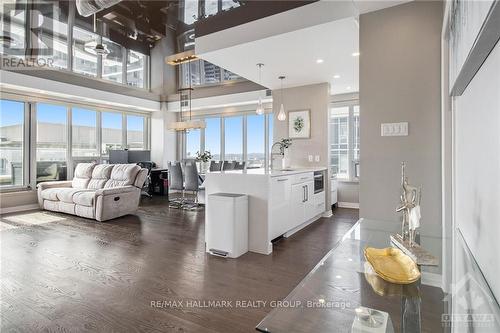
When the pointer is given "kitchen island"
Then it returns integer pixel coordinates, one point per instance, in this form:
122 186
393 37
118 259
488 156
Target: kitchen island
280 202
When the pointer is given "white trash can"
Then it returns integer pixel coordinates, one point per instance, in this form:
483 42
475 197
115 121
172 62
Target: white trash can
226 227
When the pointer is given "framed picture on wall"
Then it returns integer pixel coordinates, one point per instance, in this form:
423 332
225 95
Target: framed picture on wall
299 124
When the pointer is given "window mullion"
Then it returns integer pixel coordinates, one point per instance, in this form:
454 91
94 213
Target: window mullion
222 140
124 65
71 23
99 135
350 142
244 138
124 131
266 140
29 146
69 140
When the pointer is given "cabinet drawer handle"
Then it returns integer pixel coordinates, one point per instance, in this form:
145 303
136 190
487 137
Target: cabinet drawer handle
283 180
304 178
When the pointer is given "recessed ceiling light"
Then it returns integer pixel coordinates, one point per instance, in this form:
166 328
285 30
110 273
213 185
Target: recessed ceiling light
348 88
319 61
336 76
355 54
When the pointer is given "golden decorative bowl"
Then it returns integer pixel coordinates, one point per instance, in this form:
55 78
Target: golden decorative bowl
392 265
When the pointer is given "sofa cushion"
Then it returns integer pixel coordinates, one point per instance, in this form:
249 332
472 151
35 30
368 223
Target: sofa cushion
66 194
83 173
51 193
100 176
122 175
84 198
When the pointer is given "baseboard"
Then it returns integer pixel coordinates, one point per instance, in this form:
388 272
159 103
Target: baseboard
432 279
22 208
354 205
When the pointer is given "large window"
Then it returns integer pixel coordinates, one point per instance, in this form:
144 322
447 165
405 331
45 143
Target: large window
212 137
227 142
112 64
256 141
84 132
135 132
111 132
233 128
12 116
51 142
344 142
35 139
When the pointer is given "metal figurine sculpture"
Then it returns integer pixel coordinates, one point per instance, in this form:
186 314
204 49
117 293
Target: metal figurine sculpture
410 206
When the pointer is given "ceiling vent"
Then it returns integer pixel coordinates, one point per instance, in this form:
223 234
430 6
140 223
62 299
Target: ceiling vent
90 7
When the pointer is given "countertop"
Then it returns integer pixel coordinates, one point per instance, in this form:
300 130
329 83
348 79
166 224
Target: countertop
267 172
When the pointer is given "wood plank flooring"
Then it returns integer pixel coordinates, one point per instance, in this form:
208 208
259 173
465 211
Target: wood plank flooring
68 274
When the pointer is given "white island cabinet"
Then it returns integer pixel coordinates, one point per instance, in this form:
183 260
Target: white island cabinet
279 202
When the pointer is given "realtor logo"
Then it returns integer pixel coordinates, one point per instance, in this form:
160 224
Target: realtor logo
23 35
471 306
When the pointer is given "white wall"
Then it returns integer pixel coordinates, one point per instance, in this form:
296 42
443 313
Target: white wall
477 167
315 98
400 82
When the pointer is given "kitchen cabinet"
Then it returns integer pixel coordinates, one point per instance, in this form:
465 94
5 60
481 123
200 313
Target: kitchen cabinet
280 197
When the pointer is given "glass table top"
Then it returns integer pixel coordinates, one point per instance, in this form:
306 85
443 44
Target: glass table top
343 294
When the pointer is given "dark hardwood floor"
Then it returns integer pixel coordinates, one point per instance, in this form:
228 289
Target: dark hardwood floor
64 273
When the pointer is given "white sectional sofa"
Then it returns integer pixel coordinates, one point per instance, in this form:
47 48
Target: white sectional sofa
97 191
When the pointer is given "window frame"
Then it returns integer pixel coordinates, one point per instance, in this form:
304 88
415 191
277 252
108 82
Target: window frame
353 164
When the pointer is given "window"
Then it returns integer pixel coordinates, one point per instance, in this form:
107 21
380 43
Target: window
13 26
48 146
227 142
135 132
192 143
212 137
84 133
11 143
211 7
344 142
136 63
84 61
190 11
256 141
111 132
51 142
233 129
112 64
211 73
52 35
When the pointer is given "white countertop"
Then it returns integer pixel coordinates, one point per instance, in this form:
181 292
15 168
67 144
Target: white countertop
267 172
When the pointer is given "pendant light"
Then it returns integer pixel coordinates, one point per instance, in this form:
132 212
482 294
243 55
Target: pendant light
190 124
96 47
282 114
260 107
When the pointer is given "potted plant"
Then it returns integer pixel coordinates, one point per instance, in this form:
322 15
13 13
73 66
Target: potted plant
203 160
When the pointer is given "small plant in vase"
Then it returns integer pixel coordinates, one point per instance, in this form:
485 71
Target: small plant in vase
203 158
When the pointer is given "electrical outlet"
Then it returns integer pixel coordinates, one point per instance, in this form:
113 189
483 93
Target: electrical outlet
316 158
310 158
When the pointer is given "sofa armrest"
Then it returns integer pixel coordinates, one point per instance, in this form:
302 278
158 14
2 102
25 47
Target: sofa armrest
115 190
62 183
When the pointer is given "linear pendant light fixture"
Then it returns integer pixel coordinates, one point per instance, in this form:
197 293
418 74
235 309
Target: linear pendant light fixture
282 114
190 124
260 107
